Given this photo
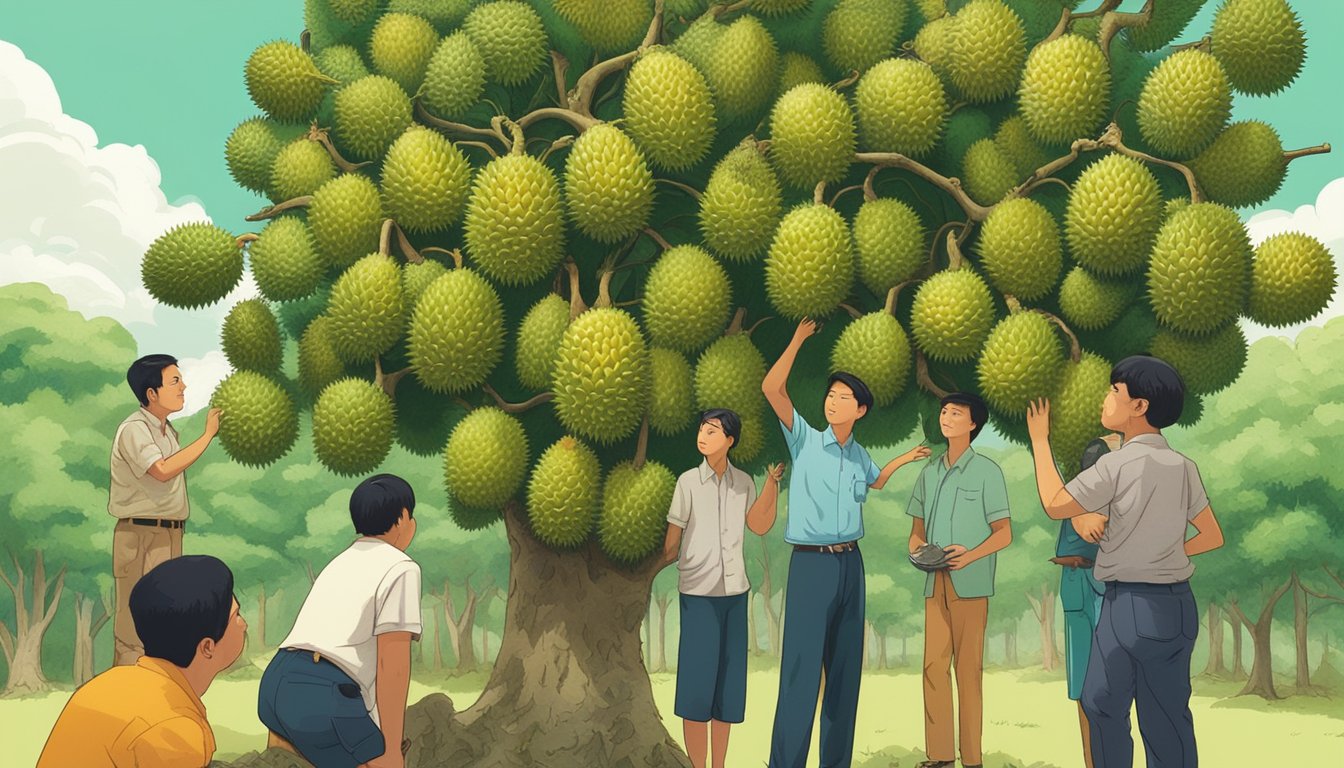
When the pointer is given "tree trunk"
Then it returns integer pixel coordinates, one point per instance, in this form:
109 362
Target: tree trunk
648 637
882 652
664 600
87 627
22 646
867 635
438 640
1303 679
485 642
460 626
904 660
753 647
773 625
1012 647
1239 665
1215 667
1044 608
1261 681
259 630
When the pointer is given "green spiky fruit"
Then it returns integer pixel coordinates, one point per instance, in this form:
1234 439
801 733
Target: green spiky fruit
370 114
251 337
749 445
1185 102
259 423
901 106
859 33
445 15
1244 166
608 186
796 68
1192 410
485 460
192 265
457 332
1016 143
779 7
284 82
952 315
1019 248
601 377
343 64
1064 90
346 217
284 260
1075 410
1170 207
1206 363
1090 303
812 135
454 77
965 127
889 238
729 375
425 181
1022 361
671 395
319 365
562 494
296 314
515 222
606 25
931 9
299 169
698 42
1166 22
741 204
988 47
511 39
353 421
686 299
1131 334
741 69
810 267
251 149
989 173
352 11
933 44
1292 279
400 48
1114 212
326 29
633 519
539 337
366 308
1260 44
415 280
876 349
668 109
1200 270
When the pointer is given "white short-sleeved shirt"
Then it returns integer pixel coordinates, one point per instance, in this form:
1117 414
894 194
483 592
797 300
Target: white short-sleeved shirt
713 511
370 589
141 440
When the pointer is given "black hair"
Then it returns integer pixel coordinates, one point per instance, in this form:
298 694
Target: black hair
862 395
730 421
979 412
179 603
1152 379
376 504
147 373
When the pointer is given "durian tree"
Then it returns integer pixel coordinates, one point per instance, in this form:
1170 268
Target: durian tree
535 238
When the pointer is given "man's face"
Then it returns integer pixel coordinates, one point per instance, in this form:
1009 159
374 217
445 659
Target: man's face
170 396
841 407
711 440
1118 408
955 420
230 646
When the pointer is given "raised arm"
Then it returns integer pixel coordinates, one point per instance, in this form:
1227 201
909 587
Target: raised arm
776 381
910 456
168 467
761 516
1059 504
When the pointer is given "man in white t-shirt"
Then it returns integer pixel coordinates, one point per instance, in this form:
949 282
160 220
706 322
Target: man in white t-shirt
336 690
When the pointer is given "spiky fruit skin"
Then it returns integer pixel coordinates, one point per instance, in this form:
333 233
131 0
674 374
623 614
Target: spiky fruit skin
1075 410
965 127
1244 166
326 29
952 315
1200 269
515 222
741 205
1019 248
1185 102
902 107
1206 363
876 349
319 365
425 181
192 265
1260 44
562 494
283 81
1022 360
742 68
251 149
539 337
353 423
608 186
400 48
859 33
933 44
251 337
601 377
729 374
365 308
779 7
346 216
810 267
608 26
352 11
485 460
1131 334
445 15
284 260
1292 279
370 114
261 424
812 135
511 39
889 238
1167 21
671 395
686 299
343 64
1114 212
457 332
415 280
668 109
989 173
299 169
1065 87
754 422
797 68
633 519
1090 303
454 77
988 47
1015 141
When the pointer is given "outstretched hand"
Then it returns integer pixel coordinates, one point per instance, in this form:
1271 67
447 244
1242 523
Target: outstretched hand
212 421
1038 420
775 472
916 453
806 327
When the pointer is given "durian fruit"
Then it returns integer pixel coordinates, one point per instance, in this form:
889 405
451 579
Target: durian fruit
601 379
1015 141
445 15
259 423
608 26
457 332
933 45
931 9
1206 363
796 68
952 315
902 107
741 69
454 77
1292 279
988 47
343 64
1019 248
1090 303
326 29
192 265
1065 87
989 174
669 110
319 365
608 186
1170 207
779 7
1022 360
810 267
671 392
515 224
353 422
284 260
684 9
741 205
1167 21
1075 410
251 149
425 181
284 82
729 374
539 337
352 11
1114 212
370 114
633 519
889 239
1191 410
511 39
686 299
876 349
1244 166
1185 102
251 337
1260 44
1200 270
1131 334
749 445
299 169
562 493
965 127
365 308
859 33
812 135
400 48
698 42
485 459
295 314
346 217
415 280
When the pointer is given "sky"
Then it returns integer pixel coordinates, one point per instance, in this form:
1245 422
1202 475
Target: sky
115 122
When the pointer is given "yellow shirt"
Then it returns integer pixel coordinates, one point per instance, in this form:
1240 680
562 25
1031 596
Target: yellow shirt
145 716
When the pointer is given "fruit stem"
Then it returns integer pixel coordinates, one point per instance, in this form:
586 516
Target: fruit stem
1027 189
494 132
604 289
819 194
688 189
385 237
305 40
853 312
526 405
1075 349
463 404
951 186
1319 149
1202 44
272 211
1113 139
576 305
869 191
560 66
321 137
892 295
456 253
938 238
480 145
1113 21
1067 18
922 376
757 324
723 9
657 238
1013 304
580 99
736 325
413 256
388 381
517 142
847 80
245 238
642 446
579 121
955 260
560 143
837 195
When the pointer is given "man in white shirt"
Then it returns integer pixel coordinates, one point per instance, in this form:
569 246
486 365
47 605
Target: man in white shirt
335 692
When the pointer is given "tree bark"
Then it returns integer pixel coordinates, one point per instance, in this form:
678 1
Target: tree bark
664 600
1261 681
1044 608
867 635
259 631
1238 662
882 650
460 625
438 640
22 646
87 627
1215 666
772 622
753 646
1012 647
1303 678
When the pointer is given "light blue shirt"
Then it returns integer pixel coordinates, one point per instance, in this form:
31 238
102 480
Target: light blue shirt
827 485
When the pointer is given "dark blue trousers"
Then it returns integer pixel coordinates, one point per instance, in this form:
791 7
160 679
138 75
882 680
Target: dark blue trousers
823 629
1141 655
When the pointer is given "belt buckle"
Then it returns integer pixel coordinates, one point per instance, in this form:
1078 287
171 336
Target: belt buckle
833 549
317 657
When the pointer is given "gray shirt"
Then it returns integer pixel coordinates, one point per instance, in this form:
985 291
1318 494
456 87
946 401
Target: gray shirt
713 511
141 440
1149 493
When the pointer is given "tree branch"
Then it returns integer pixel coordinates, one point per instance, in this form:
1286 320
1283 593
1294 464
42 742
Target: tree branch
7 644
407 250
1319 149
1075 349
642 446
692 191
952 186
527 405
560 68
922 376
321 137
462 128
245 238
271 211
1114 21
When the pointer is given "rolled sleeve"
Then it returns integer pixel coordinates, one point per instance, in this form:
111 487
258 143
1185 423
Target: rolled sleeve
873 470
916 506
796 437
1094 487
1196 498
137 447
679 512
995 495
751 491
398 608
175 743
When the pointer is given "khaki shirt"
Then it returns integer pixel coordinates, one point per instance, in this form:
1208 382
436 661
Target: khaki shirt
141 440
713 510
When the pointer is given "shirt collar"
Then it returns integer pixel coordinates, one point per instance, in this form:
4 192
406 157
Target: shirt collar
961 462
171 671
828 438
707 472
154 421
1148 438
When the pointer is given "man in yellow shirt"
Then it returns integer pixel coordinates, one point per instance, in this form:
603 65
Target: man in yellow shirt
150 715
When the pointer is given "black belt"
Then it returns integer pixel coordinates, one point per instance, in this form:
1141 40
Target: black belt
844 546
156 522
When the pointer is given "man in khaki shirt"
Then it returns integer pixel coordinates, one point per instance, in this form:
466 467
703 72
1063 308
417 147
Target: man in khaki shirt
148 490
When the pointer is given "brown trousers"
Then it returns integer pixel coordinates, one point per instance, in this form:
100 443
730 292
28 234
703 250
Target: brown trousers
954 635
135 550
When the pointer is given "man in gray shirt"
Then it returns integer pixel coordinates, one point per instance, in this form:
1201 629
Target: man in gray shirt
1148 494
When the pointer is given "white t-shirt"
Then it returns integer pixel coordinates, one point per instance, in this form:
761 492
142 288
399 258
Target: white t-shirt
370 589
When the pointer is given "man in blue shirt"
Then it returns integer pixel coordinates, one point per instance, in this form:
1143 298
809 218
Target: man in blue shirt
824 606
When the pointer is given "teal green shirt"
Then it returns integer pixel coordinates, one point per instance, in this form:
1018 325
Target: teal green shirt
828 484
957 505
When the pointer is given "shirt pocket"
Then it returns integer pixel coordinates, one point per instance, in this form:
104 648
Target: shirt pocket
860 487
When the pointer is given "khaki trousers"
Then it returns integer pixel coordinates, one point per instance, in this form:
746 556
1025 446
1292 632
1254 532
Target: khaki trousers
136 549
954 635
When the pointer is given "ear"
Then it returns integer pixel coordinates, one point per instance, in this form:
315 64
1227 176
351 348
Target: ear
1141 407
863 410
151 394
205 649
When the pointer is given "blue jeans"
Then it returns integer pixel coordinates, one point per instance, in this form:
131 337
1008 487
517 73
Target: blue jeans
319 709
